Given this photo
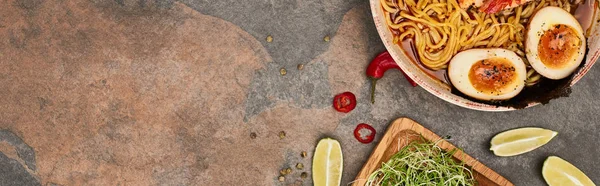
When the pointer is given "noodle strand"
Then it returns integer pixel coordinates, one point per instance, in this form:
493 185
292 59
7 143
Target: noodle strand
440 28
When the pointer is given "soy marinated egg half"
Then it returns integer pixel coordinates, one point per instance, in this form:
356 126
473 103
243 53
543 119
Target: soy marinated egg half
555 43
487 74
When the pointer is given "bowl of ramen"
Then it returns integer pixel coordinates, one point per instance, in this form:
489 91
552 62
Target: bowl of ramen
491 55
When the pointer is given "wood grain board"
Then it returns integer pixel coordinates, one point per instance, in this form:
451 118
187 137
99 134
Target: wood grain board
403 131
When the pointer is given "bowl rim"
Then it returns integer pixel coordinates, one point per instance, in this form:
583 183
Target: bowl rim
449 97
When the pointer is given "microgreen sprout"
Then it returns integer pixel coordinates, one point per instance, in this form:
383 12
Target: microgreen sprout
421 163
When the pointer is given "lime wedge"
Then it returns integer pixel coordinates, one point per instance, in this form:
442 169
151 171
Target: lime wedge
557 171
327 163
519 141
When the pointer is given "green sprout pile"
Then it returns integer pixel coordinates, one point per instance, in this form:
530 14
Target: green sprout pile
422 164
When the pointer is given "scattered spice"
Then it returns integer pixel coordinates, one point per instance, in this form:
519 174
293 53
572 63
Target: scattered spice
344 102
364 133
269 38
282 71
326 39
303 154
281 134
304 175
281 179
300 66
253 135
299 166
285 171
379 66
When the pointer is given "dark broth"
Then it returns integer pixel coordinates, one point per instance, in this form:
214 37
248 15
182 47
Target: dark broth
542 92
410 50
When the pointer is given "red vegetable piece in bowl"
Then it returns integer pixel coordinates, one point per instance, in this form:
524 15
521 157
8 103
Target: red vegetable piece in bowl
344 102
364 133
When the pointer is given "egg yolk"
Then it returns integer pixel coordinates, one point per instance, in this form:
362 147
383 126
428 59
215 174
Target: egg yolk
491 76
558 46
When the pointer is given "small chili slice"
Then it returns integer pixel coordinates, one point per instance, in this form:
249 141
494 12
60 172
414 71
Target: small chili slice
364 133
344 102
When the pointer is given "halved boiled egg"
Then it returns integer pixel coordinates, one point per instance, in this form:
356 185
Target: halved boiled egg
555 43
488 74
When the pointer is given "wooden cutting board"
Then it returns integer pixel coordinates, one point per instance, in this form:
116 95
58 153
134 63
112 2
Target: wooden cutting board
403 131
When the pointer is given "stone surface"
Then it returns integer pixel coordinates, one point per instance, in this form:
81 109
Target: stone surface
168 93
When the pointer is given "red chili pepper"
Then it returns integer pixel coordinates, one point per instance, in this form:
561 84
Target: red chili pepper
344 102
379 66
364 133
493 6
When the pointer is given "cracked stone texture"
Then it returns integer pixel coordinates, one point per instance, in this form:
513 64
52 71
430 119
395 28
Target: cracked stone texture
167 93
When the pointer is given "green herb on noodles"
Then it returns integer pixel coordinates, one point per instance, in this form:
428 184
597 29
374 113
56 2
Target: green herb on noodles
422 164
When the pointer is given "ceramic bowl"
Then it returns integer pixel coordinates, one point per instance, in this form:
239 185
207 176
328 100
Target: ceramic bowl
442 90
